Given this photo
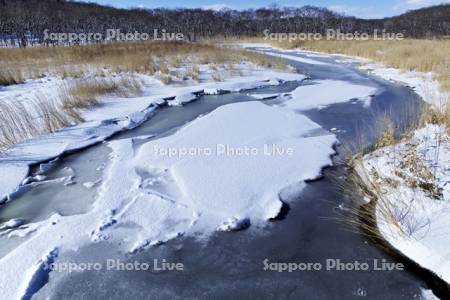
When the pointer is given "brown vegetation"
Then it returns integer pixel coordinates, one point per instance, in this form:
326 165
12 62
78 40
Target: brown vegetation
84 93
145 58
97 70
21 121
419 55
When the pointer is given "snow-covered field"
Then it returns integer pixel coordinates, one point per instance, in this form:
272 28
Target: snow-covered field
296 58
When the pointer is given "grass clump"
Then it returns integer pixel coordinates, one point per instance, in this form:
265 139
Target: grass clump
387 137
21 121
10 76
83 93
437 116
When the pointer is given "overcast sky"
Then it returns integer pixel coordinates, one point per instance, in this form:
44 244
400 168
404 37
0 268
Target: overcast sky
358 8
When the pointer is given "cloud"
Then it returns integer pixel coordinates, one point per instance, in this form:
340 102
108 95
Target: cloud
405 5
399 7
217 6
417 2
357 11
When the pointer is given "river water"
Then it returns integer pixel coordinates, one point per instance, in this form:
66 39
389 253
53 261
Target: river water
227 265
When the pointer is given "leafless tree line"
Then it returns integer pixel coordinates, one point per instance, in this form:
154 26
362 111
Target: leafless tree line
23 22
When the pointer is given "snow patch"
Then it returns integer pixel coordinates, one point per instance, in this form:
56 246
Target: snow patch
422 83
326 92
212 183
296 58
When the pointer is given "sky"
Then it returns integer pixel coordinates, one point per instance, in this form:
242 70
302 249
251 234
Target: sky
358 8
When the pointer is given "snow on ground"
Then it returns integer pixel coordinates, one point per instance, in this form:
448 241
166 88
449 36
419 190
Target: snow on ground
414 196
126 213
113 114
296 58
266 48
255 45
46 87
256 79
326 92
148 197
422 83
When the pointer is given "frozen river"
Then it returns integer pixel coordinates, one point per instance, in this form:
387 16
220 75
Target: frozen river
311 229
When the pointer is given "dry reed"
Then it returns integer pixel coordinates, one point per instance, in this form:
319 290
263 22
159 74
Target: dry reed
144 57
21 121
419 55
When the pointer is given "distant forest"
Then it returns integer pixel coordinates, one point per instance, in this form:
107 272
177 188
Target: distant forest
23 22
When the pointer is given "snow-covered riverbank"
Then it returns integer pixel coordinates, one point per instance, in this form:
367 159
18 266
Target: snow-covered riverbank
411 181
413 209
411 178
